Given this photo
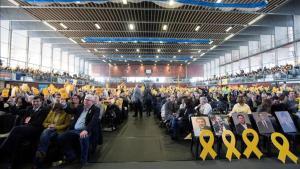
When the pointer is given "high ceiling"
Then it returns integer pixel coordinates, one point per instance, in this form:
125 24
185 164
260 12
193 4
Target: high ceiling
149 31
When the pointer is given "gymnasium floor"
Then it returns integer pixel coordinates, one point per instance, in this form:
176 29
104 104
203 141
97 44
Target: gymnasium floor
140 143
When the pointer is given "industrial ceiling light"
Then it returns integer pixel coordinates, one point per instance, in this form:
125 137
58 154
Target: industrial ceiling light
96 50
228 29
63 26
155 61
171 2
97 26
122 56
14 2
194 59
229 37
213 47
117 50
202 54
104 60
104 56
124 2
256 19
191 57
158 50
171 61
82 40
138 50
174 57
189 63
125 60
131 26
72 40
211 42
179 50
50 26
88 51
199 51
197 28
157 56
219 1
165 27
139 56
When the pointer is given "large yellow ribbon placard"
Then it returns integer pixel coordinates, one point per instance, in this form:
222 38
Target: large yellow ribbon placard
207 146
230 145
284 148
251 145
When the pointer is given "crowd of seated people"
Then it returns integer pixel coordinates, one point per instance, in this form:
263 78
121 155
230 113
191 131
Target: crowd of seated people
178 106
284 71
42 75
73 126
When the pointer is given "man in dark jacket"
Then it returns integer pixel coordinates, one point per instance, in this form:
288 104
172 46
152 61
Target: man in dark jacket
242 125
30 130
84 125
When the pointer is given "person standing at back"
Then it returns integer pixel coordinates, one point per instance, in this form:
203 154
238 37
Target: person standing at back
148 100
136 99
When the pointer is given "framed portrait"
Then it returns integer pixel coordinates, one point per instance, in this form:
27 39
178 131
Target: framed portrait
286 122
263 123
241 122
219 124
200 123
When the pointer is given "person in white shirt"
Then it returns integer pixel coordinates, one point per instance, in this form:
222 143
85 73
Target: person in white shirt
205 107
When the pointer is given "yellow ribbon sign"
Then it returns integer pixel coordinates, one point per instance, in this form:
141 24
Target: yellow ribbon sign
251 145
284 149
230 145
207 146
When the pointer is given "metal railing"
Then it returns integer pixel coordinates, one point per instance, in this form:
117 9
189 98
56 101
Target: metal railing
8 75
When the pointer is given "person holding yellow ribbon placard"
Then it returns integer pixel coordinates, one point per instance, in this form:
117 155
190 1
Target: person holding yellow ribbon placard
251 145
207 146
284 148
230 145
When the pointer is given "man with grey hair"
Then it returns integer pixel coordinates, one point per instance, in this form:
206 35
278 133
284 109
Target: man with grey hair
204 106
85 124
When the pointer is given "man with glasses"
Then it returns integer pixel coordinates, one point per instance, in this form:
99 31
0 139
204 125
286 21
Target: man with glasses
30 130
84 125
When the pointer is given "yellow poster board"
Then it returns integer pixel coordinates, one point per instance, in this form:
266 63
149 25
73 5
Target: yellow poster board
5 93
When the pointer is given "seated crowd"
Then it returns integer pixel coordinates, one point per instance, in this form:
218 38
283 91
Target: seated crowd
175 107
43 75
72 126
285 71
